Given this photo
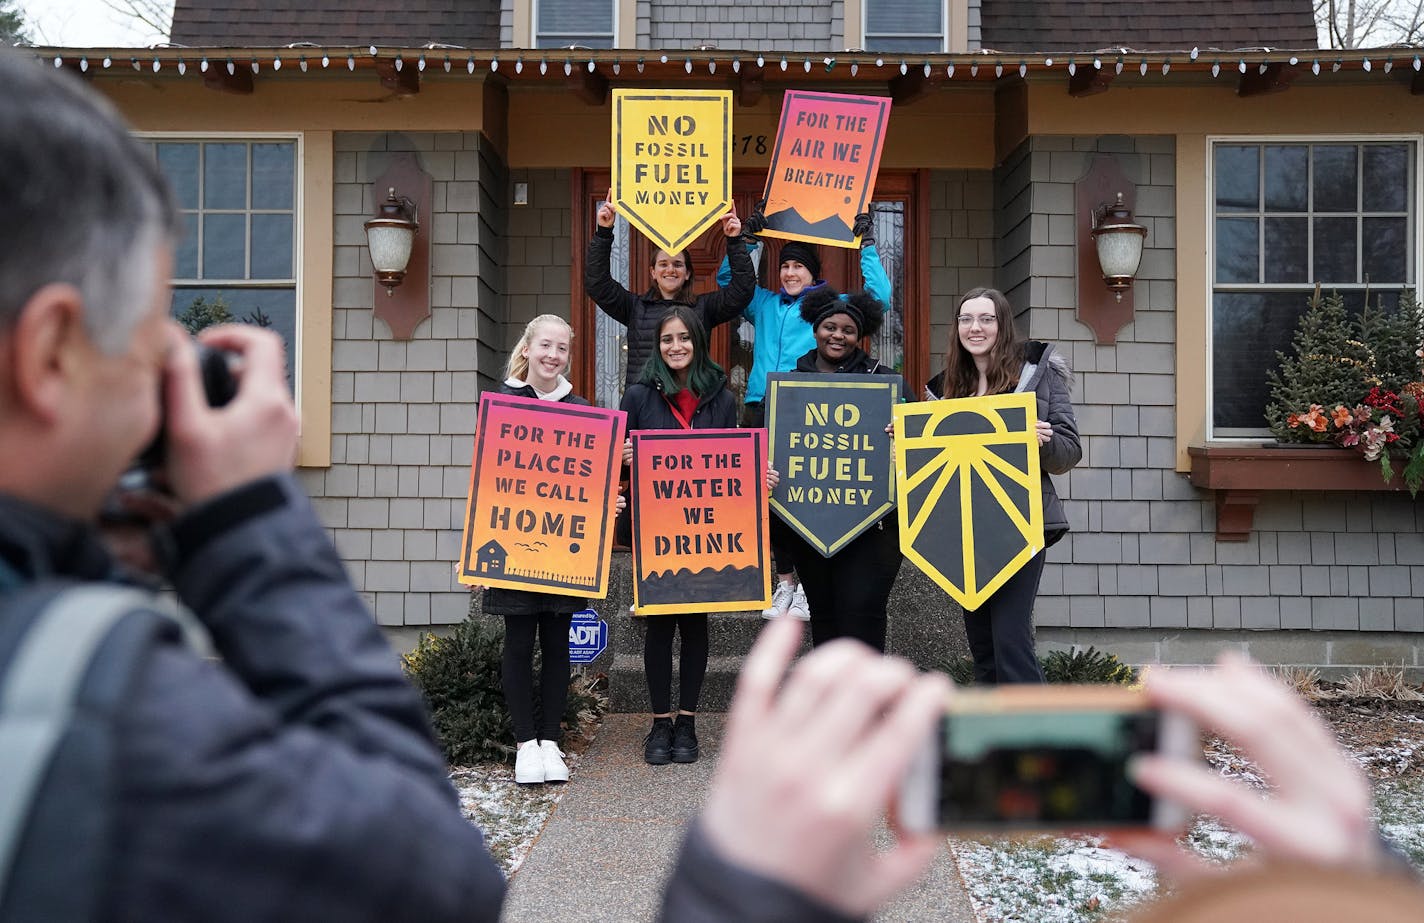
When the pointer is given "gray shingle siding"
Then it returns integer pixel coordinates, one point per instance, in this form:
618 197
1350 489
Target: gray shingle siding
807 25
1330 562
403 412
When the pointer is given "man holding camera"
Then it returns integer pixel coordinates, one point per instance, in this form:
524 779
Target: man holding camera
294 778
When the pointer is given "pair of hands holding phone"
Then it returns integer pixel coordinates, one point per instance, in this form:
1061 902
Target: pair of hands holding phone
812 757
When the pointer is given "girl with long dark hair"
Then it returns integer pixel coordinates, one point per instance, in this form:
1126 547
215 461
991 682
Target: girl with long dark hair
680 388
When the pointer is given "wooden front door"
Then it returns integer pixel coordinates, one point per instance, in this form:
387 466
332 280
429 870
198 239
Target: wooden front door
902 224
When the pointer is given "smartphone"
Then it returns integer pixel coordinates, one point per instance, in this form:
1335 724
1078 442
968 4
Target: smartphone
1044 758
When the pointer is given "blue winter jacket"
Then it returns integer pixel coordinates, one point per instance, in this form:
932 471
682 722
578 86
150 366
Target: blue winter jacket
782 337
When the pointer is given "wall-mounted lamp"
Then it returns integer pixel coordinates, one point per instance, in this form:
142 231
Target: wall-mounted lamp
1119 243
390 236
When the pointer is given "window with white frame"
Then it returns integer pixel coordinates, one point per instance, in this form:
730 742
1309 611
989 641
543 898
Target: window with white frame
237 256
905 25
1289 215
561 23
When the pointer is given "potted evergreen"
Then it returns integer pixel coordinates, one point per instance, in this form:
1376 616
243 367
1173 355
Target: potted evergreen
1355 382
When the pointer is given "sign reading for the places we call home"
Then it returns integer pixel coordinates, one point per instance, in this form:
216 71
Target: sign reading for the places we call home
543 489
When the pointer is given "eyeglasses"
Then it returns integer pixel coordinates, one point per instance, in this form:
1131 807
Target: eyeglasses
985 320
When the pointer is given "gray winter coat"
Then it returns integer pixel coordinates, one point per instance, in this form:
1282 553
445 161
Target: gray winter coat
1045 373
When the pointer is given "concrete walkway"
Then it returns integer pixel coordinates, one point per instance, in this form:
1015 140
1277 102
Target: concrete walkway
610 843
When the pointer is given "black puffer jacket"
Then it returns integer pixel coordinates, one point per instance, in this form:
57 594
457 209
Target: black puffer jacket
1046 374
502 601
641 314
648 408
858 362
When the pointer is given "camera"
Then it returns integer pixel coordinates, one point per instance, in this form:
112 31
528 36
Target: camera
1043 758
219 385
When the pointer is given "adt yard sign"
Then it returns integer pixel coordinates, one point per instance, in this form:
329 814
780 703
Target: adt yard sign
588 636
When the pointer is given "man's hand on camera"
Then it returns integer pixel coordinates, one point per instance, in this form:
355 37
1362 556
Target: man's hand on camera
1319 807
807 772
212 450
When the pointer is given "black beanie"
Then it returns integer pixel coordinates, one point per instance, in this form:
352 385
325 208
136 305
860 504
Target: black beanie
805 254
863 308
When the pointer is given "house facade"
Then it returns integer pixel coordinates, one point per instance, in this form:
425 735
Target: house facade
1257 172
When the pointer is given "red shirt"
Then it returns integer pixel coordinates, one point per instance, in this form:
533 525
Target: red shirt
684 405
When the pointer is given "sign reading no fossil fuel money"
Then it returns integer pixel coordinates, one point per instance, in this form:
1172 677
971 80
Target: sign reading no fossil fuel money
543 489
672 162
828 443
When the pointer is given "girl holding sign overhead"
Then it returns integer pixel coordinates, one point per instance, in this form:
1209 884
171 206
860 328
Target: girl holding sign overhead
672 282
680 388
987 357
848 592
536 370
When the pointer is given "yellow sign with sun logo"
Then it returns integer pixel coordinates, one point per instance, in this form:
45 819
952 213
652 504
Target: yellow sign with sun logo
968 489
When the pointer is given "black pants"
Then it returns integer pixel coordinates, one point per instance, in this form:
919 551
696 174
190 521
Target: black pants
1000 631
517 673
848 592
781 536
691 665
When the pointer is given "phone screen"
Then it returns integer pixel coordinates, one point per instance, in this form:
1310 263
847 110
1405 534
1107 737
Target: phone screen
1044 768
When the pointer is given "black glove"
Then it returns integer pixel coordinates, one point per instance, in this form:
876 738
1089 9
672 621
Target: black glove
755 223
864 228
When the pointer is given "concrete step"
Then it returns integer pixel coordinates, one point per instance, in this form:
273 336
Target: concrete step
925 627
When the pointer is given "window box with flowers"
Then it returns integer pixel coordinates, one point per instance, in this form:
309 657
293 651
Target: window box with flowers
1344 408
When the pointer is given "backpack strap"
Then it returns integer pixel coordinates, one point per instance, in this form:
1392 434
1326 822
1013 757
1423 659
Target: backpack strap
40 685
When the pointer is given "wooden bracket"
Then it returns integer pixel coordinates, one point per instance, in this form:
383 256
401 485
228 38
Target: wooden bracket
403 82
1235 513
239 82
750 85
1277 78
1087 81
592 87
1097 308
912 85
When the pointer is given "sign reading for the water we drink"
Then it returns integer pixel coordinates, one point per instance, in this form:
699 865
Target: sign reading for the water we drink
829 444
672 162
699 521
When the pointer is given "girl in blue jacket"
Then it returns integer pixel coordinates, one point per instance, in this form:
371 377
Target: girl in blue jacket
782 337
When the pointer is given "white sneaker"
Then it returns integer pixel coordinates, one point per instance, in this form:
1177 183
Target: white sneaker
529 763
555 769
799 609
780 600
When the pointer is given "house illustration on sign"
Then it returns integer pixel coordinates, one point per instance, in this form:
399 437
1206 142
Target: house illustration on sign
491 558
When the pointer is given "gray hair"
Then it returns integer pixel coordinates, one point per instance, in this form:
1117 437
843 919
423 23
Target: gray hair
82 201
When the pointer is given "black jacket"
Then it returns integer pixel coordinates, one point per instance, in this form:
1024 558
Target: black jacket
504 601
1046 374
641 314
858 362
297 777
648 408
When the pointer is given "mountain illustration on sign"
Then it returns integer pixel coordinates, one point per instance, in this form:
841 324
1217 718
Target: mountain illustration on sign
791 221
728 583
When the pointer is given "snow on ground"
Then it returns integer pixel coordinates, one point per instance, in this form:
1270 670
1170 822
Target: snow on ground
1050 879
512 816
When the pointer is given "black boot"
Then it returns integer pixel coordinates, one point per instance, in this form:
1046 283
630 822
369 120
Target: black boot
657 746
684 739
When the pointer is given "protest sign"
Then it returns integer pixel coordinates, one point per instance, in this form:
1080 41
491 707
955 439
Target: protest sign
672 162
699 521
828 443
967 483
543 488
824 165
